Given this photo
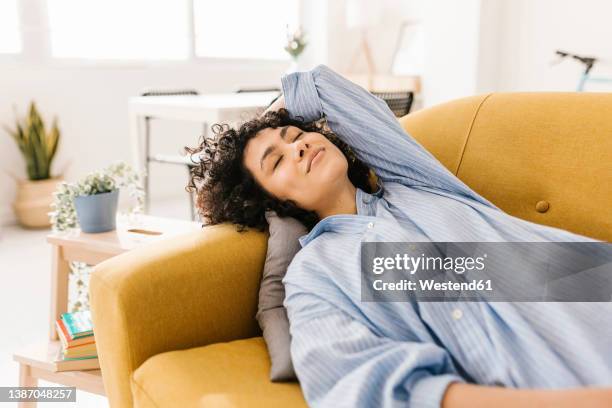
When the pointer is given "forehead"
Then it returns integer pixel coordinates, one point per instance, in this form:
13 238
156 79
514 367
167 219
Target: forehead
266 134
257 145
262 139
265 138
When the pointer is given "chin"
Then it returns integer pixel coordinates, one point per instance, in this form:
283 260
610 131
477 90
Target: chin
330 182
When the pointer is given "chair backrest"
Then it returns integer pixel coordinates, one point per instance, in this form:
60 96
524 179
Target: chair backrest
542 157
399 102
169 92
247 90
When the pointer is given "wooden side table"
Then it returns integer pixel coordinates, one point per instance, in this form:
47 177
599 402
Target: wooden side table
36 362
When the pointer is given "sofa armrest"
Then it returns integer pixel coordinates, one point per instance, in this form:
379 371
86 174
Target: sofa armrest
186 291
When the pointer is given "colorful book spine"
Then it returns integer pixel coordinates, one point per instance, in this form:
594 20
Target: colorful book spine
62 363
78 348
78 324
64 336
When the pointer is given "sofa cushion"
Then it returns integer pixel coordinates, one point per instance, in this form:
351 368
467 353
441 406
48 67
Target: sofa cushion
283 244
233 374
543 157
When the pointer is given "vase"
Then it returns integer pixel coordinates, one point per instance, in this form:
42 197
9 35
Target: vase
33 202
97 212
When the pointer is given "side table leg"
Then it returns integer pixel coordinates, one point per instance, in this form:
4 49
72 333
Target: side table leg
60 269
26 380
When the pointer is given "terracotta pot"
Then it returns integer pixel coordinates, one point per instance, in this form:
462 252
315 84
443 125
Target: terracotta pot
33 202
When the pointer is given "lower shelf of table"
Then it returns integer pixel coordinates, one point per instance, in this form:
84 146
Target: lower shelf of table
36 362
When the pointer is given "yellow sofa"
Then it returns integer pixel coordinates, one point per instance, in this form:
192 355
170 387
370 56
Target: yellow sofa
175 320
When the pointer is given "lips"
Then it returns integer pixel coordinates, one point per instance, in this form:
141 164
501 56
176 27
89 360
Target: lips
312 157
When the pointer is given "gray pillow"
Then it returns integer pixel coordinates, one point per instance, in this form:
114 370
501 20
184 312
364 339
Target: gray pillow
283 244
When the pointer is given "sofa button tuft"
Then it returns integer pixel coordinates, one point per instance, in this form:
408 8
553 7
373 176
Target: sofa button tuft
542 206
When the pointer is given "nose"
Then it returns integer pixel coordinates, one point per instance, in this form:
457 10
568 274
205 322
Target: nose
299 149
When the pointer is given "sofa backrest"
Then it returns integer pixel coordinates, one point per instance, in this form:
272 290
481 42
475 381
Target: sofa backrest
542 157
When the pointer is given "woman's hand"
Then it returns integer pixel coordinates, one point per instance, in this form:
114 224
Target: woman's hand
477 396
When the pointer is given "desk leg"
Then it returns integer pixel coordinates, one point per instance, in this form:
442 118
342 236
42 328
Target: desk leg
136 142
26 380
60 270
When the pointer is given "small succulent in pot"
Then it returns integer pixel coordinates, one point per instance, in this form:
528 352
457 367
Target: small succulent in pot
91 203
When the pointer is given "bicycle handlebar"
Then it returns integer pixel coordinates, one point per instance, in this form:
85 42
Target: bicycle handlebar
587 61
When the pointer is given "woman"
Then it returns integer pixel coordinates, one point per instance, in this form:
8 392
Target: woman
352 353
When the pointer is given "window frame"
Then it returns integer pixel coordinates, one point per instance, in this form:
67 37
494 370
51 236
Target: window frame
40 34
16 56
195 57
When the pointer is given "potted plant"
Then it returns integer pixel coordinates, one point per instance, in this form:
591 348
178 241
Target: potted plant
38 147
91 203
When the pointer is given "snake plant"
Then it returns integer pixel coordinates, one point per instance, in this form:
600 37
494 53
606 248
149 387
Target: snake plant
37 145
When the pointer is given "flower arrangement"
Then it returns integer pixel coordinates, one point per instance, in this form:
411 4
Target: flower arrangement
296 42
115 176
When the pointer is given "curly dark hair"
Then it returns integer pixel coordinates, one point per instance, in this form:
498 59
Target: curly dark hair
227 192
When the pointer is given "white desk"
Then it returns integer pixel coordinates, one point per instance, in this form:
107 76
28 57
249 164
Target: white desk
207 109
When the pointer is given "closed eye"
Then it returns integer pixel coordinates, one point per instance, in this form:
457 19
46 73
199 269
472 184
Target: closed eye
277 163
281 157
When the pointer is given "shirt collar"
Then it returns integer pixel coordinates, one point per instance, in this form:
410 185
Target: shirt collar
366 211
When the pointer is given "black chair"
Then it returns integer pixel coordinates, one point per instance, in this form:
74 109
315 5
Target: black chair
399 102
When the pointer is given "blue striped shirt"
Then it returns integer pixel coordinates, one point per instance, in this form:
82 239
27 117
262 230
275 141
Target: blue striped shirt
390 354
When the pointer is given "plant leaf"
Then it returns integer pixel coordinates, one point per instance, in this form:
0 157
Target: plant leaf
37 136
52 142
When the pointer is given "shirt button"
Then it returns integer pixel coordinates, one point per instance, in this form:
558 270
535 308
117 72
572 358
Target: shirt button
457 314
370 225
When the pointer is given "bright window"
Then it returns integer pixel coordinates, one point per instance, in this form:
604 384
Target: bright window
10 41
119 29
243 28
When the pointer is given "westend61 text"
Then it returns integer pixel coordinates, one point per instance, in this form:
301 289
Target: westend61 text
432 285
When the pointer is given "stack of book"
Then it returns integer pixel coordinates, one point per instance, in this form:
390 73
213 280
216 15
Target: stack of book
78 351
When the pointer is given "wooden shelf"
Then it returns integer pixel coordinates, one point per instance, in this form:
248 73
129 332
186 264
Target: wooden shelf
37 362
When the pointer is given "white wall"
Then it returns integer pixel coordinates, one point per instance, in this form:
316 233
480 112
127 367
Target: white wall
343 42
478 46
451 49
533 29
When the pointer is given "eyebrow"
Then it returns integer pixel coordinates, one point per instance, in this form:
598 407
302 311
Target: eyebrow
284 132
270 149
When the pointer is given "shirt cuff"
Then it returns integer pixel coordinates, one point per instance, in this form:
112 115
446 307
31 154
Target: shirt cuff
428 392
301 97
